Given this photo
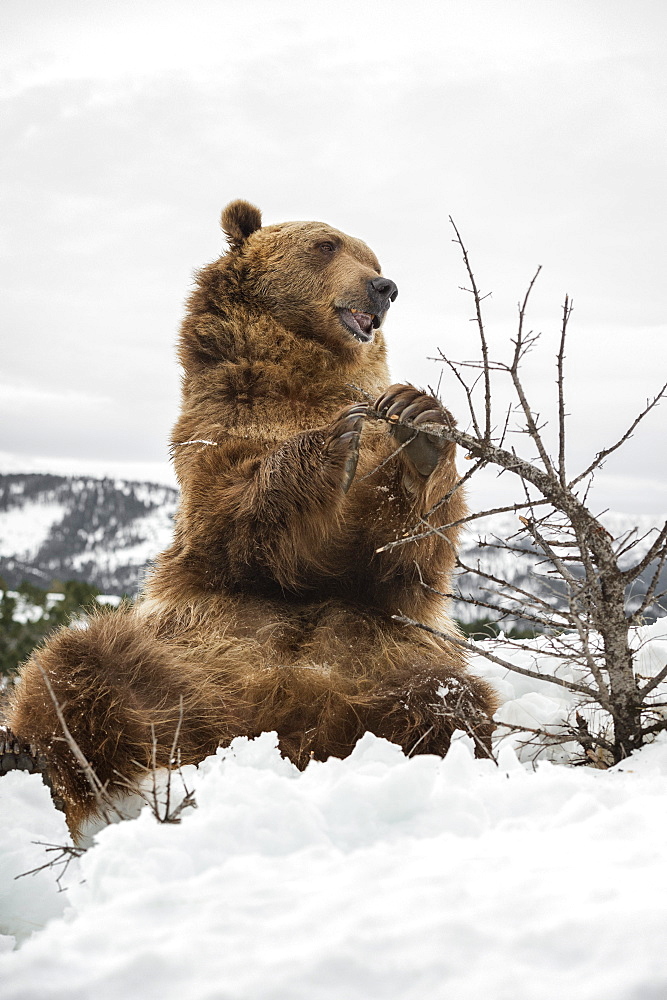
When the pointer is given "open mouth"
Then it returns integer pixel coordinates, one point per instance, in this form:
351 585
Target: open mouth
361 324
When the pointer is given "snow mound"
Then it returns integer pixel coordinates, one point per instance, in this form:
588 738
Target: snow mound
373 877
28 816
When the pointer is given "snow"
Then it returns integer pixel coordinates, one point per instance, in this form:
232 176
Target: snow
378 876
26 904
154 532
23 530
26 611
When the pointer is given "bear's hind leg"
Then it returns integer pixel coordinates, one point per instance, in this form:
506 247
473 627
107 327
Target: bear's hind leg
119 691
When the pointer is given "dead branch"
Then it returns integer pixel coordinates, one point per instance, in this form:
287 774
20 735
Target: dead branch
360 479
567 312
457 486
505 612
530 598
521 345
653 683
66 854
575 548
163 812
454 524
473 648
468 389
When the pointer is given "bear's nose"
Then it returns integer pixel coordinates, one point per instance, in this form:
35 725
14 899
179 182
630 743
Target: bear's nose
382 292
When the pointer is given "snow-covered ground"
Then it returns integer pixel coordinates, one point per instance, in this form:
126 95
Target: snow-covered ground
374 878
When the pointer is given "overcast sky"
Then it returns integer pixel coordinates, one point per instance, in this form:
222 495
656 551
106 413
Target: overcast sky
539 125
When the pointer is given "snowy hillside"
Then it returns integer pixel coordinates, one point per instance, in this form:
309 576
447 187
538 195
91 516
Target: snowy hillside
483 545
379 877
106 531
103 531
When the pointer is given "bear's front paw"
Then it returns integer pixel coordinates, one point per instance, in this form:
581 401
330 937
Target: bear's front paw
404 402
342 443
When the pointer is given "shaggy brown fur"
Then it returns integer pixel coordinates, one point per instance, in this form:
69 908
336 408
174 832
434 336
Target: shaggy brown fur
272 608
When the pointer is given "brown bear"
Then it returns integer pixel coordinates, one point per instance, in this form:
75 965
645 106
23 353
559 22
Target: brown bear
272 610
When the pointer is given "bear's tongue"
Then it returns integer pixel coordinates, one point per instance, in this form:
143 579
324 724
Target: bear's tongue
361 324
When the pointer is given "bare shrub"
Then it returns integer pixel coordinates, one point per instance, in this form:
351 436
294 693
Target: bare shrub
581 612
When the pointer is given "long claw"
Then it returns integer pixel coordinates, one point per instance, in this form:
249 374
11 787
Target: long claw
351 461
396 409
358 408
429 417
410 412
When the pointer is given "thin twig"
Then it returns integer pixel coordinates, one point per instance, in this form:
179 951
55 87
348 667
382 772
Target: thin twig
521 344
482 334
653 683
455 524
468 391
66 855
601 455
657 550
567 311
397 451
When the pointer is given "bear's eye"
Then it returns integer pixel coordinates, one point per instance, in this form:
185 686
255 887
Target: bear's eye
327 247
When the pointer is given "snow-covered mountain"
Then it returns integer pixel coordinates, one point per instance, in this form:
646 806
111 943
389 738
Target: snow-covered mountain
106 531
490 543
103 531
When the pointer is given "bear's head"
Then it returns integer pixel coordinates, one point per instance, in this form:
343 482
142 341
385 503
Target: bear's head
314 280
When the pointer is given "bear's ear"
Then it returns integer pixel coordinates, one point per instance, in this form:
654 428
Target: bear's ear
238 221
